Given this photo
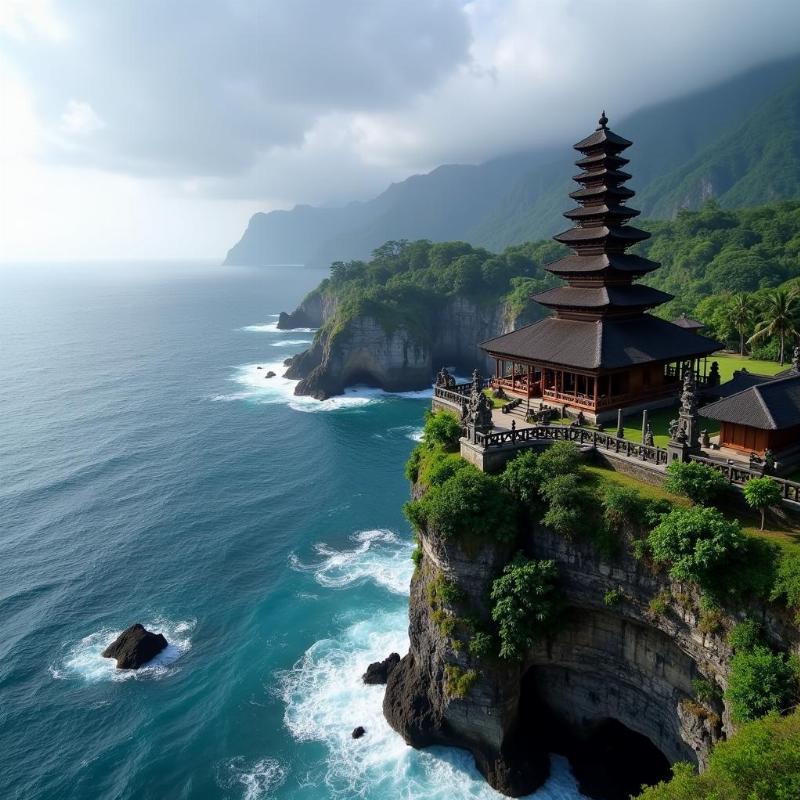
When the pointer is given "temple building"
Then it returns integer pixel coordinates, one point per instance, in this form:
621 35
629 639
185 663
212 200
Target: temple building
600 351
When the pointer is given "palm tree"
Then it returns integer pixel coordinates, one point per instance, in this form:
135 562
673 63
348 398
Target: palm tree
778 318
740 316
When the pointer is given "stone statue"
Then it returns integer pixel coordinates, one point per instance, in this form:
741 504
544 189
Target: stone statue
796 358
443 378
580 419
673 428
648 436
689 429
769 458
705 439
713 374
477 381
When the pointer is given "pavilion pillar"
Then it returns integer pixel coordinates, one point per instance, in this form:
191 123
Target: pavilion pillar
644 425
620 429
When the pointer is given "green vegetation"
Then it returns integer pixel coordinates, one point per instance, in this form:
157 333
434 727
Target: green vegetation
761 494
760 682
525 604
521 477
761 762
699 544
745 635
569 504
705 691
728 364
778 319
698 482
481 644
442 590
787 581
458 681
613 597
659 604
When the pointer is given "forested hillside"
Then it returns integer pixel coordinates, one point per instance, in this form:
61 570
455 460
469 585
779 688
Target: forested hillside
738 141
708 257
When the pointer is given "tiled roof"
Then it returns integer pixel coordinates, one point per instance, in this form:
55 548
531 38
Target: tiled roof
631 296
742 379
602 344
772 405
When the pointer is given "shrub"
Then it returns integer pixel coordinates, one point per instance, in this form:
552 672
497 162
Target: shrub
613 597
761 494
438 467
561 458
411 470
787 581
469 502
760 681
481 644
441 590
458 681
761 762
659 604
570 504
710 620
521 477
698 543
745 635
525 604
698 482
705 691
416 556
442 430
622 507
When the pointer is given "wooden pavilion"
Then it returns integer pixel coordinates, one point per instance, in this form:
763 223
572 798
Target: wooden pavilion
600 351
762 417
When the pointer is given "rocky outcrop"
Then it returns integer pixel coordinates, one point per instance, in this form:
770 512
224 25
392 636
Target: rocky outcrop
618 664
365 351
378 671
135 646
315 309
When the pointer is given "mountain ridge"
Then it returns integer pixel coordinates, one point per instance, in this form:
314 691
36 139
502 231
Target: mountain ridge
521 197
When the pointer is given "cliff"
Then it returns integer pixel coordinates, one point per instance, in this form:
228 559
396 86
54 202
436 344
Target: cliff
618 675
365 349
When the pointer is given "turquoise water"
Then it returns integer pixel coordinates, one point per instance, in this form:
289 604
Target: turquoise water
149 472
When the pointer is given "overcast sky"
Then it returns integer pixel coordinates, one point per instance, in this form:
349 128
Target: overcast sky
154 128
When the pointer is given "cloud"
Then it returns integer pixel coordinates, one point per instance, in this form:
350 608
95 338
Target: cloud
201 89
238 104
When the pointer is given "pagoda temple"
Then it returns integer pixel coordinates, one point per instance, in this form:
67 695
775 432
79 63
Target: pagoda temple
600 351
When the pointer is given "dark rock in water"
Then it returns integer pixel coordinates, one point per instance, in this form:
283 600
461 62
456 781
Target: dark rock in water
358 732
287 362
378 672
134 647
270 374
259 367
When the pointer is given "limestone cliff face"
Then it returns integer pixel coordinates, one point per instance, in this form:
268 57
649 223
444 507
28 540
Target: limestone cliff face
621 662
362 350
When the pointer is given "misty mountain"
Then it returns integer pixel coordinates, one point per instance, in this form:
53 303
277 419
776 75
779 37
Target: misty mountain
737 141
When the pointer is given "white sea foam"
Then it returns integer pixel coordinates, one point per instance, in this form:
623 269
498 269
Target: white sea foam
325 699
257 780
378 555
413 432
257 388
272 327
84 660
290 342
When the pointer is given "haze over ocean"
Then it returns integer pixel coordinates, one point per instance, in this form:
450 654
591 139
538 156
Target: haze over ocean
149 472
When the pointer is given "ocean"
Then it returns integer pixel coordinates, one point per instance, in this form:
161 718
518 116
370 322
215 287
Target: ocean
149 472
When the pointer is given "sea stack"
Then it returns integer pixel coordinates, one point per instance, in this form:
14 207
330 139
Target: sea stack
135 646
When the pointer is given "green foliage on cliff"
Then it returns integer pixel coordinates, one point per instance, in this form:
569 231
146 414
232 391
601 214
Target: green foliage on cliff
407 283
436 457
467 504
745 635
525 604
701 545
458 681
442 430
569 504
698 482
760 682
787 581
761 762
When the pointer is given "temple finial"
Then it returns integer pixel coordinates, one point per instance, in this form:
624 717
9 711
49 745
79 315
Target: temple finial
603 121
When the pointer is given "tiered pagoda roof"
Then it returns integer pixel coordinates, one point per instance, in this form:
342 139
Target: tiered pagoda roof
600 320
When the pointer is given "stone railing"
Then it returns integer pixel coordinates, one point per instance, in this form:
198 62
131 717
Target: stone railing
455 395
572 433
740 475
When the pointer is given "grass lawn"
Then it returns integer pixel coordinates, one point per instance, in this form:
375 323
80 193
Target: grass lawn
495 401
778 532
728 363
